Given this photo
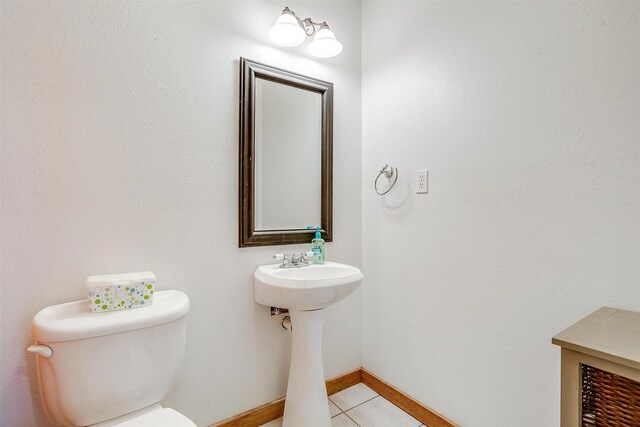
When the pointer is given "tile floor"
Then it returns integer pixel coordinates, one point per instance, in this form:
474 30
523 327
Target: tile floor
359 406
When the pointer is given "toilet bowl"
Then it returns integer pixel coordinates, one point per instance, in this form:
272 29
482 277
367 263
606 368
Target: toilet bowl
113 368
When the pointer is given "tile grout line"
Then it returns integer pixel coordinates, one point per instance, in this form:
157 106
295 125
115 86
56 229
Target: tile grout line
334 403
341 411
345 412
354 421
368 400
347 415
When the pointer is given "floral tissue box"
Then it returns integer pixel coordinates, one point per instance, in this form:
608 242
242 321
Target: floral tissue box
120 291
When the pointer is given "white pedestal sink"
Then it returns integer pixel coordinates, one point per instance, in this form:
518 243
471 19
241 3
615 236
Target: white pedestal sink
306 292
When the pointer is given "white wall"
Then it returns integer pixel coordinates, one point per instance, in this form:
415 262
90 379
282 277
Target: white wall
119 153
527 116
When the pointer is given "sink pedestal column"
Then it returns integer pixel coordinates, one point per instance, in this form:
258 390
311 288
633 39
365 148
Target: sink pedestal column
306 404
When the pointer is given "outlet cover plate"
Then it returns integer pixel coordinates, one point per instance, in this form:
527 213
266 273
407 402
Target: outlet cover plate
422 181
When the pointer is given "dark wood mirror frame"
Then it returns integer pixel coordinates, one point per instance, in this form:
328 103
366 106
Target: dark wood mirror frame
248 235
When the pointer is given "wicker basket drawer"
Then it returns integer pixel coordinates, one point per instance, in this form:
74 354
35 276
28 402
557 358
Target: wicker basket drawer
609 399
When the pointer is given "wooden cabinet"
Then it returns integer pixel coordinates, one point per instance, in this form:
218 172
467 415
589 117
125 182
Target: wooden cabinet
600 370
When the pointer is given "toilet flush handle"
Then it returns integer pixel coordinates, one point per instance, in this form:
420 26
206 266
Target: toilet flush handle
42 350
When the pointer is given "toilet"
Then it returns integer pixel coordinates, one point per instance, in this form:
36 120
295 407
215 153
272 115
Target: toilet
111 369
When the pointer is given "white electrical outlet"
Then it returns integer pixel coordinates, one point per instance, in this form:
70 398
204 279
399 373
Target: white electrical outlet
422 181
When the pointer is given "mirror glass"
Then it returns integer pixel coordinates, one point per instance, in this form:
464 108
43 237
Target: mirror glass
287 165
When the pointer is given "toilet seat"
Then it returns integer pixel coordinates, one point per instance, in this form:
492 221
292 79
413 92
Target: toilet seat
152 416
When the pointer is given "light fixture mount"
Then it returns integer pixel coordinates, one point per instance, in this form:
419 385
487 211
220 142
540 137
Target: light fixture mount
285 33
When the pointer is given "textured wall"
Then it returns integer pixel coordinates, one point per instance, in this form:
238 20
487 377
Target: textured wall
527 116
119 153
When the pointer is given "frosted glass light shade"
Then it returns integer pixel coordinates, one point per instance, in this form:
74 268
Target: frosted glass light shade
324 44
287 32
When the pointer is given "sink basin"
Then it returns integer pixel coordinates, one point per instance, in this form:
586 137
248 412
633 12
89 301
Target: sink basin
305 288
306 291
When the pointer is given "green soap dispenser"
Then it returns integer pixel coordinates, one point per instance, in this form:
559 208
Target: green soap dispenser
317 247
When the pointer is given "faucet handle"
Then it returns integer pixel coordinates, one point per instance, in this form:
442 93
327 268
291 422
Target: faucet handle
283 257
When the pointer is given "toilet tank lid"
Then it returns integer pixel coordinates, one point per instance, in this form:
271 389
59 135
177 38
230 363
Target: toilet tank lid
74 320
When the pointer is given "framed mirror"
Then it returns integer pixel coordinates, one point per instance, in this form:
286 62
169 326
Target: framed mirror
286 156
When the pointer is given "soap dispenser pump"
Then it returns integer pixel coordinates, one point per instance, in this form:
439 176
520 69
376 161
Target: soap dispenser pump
317 246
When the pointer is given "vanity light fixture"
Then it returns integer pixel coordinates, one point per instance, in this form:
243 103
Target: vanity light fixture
289 31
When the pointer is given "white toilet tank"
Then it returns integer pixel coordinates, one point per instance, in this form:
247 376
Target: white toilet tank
109 364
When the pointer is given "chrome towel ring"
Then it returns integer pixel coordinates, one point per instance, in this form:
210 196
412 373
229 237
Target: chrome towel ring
389 172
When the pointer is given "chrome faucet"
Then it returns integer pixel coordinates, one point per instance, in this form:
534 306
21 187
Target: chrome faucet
301 260
294 262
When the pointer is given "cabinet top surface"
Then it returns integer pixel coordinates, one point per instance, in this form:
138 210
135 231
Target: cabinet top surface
608 333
